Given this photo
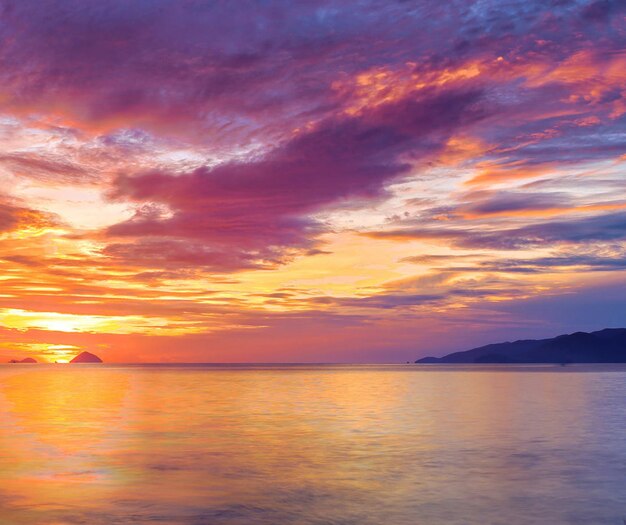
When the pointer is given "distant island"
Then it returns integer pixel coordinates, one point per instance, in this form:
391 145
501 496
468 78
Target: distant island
603 346
86 357
25 360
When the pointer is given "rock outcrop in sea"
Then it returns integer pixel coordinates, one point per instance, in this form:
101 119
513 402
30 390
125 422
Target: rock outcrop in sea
86 357
29 360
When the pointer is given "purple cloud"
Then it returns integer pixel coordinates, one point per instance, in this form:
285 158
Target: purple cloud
607 227
261 207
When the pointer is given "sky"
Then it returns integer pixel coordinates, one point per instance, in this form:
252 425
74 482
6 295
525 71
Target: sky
346 181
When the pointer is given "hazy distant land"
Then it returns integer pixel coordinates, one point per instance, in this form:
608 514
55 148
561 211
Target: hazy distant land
603 346
83 357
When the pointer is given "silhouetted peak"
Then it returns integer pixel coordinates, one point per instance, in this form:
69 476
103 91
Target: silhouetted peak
25 360
603 346
86 357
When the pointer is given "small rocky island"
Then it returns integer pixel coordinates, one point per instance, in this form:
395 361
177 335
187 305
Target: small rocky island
28 360
603 346
86 357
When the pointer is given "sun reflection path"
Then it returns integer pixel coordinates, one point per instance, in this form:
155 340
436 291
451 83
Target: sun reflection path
59 425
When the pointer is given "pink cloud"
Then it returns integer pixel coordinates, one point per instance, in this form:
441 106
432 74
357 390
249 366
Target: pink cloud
261 208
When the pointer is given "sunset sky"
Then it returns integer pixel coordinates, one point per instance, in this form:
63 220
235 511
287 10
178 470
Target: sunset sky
358 181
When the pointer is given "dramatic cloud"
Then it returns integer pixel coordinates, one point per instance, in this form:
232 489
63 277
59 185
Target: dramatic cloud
15 217
259 206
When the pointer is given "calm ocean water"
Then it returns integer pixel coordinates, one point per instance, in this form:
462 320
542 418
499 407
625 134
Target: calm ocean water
330 444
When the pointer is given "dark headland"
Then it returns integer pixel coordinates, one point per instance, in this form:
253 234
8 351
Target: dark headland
86 357
29 360
604 346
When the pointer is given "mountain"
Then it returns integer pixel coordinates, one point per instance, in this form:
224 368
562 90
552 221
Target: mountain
604 346
86 357
25 360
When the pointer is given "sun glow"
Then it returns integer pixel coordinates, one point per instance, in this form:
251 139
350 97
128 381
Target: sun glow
58 322
42 352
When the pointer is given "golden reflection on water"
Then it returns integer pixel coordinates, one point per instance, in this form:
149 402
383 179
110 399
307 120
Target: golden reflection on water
99 444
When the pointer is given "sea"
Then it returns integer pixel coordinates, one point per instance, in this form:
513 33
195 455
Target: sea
312 444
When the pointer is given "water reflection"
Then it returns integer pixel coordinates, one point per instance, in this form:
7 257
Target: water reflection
366 445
